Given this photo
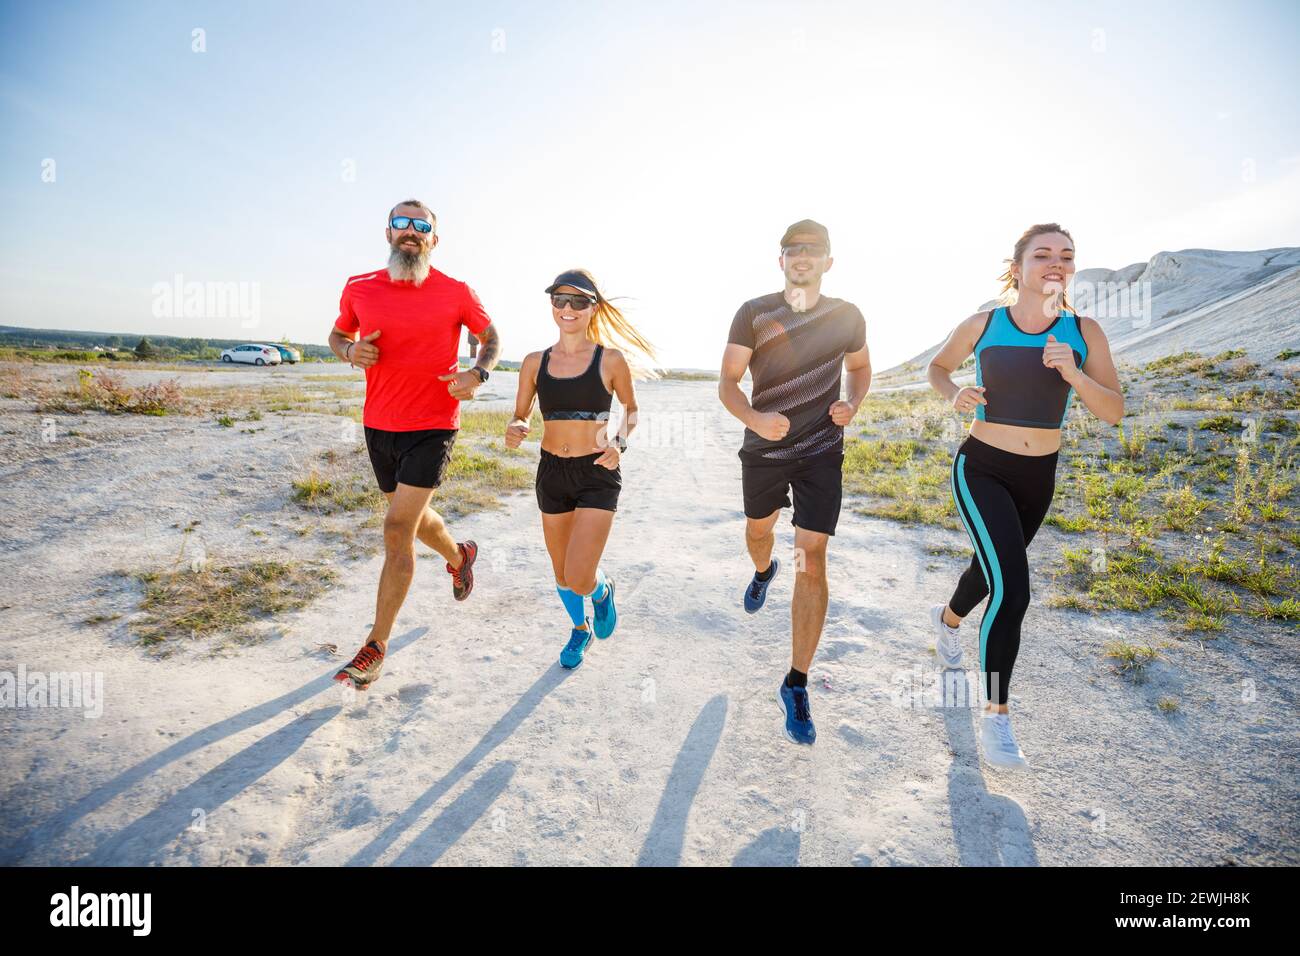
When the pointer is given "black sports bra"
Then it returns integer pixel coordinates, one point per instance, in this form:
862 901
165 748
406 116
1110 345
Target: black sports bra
578 398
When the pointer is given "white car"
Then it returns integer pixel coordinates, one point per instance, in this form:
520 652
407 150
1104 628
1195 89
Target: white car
253 354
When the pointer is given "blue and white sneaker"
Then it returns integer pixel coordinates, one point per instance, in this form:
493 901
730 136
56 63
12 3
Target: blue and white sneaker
573 652
947 644
605 614
798 715
756 593
999 743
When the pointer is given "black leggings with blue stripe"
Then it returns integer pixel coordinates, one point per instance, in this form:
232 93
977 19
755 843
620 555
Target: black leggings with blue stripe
1002 498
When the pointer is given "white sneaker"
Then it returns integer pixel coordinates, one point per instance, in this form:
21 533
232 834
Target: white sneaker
999 743
947 644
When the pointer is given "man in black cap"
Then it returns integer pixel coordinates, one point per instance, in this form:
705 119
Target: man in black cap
796 345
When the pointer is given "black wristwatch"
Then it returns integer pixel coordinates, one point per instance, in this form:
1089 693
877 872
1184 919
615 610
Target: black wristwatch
621 444
482 373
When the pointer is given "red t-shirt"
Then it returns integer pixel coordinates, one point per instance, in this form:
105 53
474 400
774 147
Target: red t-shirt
419 340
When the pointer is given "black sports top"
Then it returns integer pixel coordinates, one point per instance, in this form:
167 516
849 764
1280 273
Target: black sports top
577 398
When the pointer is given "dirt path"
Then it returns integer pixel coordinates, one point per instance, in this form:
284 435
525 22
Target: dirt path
664 748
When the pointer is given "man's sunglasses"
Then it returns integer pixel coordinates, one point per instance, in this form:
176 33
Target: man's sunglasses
813 249
575 302
401 222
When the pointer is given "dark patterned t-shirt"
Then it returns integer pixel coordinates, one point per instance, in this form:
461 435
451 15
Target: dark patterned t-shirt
797 364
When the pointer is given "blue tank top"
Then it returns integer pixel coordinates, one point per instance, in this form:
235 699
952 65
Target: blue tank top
1021 390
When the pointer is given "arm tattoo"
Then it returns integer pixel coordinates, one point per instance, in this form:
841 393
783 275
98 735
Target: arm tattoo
487 355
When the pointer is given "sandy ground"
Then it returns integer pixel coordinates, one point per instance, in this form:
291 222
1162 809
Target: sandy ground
665 747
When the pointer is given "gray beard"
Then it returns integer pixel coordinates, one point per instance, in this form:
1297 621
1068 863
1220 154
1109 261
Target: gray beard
406 266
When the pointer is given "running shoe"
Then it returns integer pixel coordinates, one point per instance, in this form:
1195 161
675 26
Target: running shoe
798 715
947 645
462 578
365 667
604 613
999 743
573 652
756 593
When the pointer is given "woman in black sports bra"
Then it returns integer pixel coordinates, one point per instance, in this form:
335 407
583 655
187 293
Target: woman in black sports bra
578 477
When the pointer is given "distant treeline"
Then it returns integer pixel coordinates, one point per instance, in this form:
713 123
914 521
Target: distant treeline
68 345
161 347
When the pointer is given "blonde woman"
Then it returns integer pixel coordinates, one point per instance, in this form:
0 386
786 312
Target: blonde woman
1031 357
578 477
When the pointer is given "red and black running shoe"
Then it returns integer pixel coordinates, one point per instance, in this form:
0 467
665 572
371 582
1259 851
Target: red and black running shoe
462 578
365 667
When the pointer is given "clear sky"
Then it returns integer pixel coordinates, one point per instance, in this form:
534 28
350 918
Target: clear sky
665 146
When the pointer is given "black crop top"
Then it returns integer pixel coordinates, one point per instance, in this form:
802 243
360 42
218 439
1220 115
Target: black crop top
577 398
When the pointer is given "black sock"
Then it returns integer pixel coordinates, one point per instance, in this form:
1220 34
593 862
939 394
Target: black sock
796 678
765 575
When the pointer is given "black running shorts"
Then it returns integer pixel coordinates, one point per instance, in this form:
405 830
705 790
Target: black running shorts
816 482
416 458
567 483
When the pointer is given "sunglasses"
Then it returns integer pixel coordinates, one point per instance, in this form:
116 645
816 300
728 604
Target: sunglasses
401 222
813 249
576 302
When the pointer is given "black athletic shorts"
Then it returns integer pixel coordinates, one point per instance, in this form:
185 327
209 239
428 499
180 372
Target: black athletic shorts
416 458
817 483
567 483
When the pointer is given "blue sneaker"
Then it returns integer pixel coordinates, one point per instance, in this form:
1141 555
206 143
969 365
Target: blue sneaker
798 715
605 613
756 593
571 656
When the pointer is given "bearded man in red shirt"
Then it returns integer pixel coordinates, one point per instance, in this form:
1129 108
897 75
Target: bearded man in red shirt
402 325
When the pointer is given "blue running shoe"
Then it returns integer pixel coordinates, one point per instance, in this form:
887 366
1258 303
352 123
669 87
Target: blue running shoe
756 593
798 715
571 656
605 613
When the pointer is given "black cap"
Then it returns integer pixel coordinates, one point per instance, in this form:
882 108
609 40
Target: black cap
807 226
577 280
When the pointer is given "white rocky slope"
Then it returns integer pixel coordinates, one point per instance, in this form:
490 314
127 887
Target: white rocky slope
1199 300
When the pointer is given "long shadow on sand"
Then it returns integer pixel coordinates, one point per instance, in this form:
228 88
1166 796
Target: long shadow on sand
139 843
663 843
496 735
989 830
777 846
461 814
63 820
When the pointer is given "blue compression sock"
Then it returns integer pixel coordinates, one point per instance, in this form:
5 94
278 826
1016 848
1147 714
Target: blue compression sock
573 603
602 586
